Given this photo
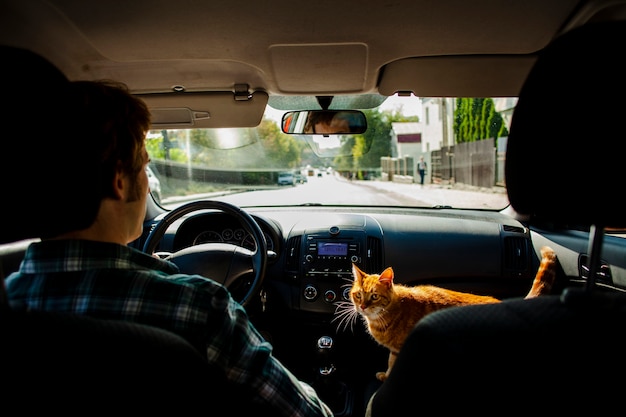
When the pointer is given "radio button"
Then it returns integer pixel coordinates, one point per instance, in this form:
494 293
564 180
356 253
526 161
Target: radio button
310 293
346 294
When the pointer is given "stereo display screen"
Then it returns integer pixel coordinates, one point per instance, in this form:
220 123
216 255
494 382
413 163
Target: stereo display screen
332 249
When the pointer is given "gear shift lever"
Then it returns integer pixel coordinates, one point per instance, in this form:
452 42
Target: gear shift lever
331 390
324 350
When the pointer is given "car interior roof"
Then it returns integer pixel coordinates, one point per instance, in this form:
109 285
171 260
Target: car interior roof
272 47
252 50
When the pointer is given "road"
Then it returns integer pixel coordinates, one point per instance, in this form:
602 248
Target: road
333 189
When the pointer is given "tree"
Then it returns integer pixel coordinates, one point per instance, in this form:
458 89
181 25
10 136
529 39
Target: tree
282 150
477 119
367 149
206 145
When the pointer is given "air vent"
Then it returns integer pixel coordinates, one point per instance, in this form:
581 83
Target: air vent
514 229
516 253
603 274
292 253
373 255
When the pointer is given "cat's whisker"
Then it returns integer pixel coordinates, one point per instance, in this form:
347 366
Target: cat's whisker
346 315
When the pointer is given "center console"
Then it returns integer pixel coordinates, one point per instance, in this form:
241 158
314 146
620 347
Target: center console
327 268
320 259
319 253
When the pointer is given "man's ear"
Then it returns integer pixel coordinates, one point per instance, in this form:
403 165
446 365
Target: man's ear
120 184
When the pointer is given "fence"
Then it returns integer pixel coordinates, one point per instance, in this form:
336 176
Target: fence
476 163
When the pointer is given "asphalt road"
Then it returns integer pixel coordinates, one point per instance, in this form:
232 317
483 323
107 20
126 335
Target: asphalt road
334 189
438 194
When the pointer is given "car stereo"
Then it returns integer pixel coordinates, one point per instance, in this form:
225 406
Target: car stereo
326 258
327 268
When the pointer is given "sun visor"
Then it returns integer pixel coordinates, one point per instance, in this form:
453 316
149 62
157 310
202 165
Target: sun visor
461 76
200 110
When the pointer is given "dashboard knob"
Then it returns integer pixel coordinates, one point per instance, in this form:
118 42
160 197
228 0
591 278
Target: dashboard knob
310 293
346 294
330 296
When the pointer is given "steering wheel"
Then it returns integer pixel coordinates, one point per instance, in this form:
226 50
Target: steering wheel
239 269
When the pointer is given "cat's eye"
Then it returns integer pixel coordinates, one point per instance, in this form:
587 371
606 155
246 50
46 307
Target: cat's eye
375 297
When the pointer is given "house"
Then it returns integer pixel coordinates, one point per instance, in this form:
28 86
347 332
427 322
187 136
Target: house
406 148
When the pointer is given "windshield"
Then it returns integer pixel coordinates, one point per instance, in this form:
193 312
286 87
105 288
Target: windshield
416 152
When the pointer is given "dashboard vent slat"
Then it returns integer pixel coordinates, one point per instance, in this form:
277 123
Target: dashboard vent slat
373 255
293 253
516 253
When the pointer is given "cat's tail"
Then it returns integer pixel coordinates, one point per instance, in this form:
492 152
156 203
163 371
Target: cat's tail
546 274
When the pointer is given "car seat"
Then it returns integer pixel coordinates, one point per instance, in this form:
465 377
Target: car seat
558 353
73 364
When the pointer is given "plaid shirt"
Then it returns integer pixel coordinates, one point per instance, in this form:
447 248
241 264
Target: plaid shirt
112 281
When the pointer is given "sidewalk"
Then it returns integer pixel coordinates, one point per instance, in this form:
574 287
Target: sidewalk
455 195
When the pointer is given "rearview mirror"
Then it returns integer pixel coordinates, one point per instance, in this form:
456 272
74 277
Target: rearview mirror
324 122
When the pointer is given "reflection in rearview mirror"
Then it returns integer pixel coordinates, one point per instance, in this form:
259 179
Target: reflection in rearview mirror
324 122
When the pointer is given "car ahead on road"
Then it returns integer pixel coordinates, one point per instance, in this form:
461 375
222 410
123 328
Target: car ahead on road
286 178
301 178
515 161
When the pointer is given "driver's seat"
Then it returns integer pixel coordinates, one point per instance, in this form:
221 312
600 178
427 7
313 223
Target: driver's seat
73 364
57 362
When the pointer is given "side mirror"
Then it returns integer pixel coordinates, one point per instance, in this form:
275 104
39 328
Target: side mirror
324 122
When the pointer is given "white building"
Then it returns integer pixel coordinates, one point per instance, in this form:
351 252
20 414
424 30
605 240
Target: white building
437 119
406 148
406 139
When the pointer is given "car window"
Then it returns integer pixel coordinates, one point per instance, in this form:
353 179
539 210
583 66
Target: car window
406 136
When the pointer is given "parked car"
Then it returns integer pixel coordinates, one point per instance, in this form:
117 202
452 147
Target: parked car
286 178
441 79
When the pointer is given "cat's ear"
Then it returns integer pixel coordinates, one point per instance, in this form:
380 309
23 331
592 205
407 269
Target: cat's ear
386 277
357 273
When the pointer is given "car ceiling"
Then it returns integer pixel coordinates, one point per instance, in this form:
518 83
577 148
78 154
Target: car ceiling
288 52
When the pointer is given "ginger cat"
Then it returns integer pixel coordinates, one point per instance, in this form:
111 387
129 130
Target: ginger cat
390 310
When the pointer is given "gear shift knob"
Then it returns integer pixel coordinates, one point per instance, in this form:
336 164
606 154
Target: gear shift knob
324 344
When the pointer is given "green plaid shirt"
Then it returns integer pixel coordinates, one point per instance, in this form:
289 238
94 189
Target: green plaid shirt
112 281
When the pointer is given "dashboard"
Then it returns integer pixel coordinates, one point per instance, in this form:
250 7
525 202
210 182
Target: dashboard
313 249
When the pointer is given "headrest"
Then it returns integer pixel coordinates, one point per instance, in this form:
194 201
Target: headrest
32 119
565 153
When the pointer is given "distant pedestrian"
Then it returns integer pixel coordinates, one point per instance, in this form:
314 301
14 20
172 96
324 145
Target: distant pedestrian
421 168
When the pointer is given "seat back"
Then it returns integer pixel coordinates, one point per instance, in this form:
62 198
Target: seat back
551 354
564 156
72 364
32 118
563 169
